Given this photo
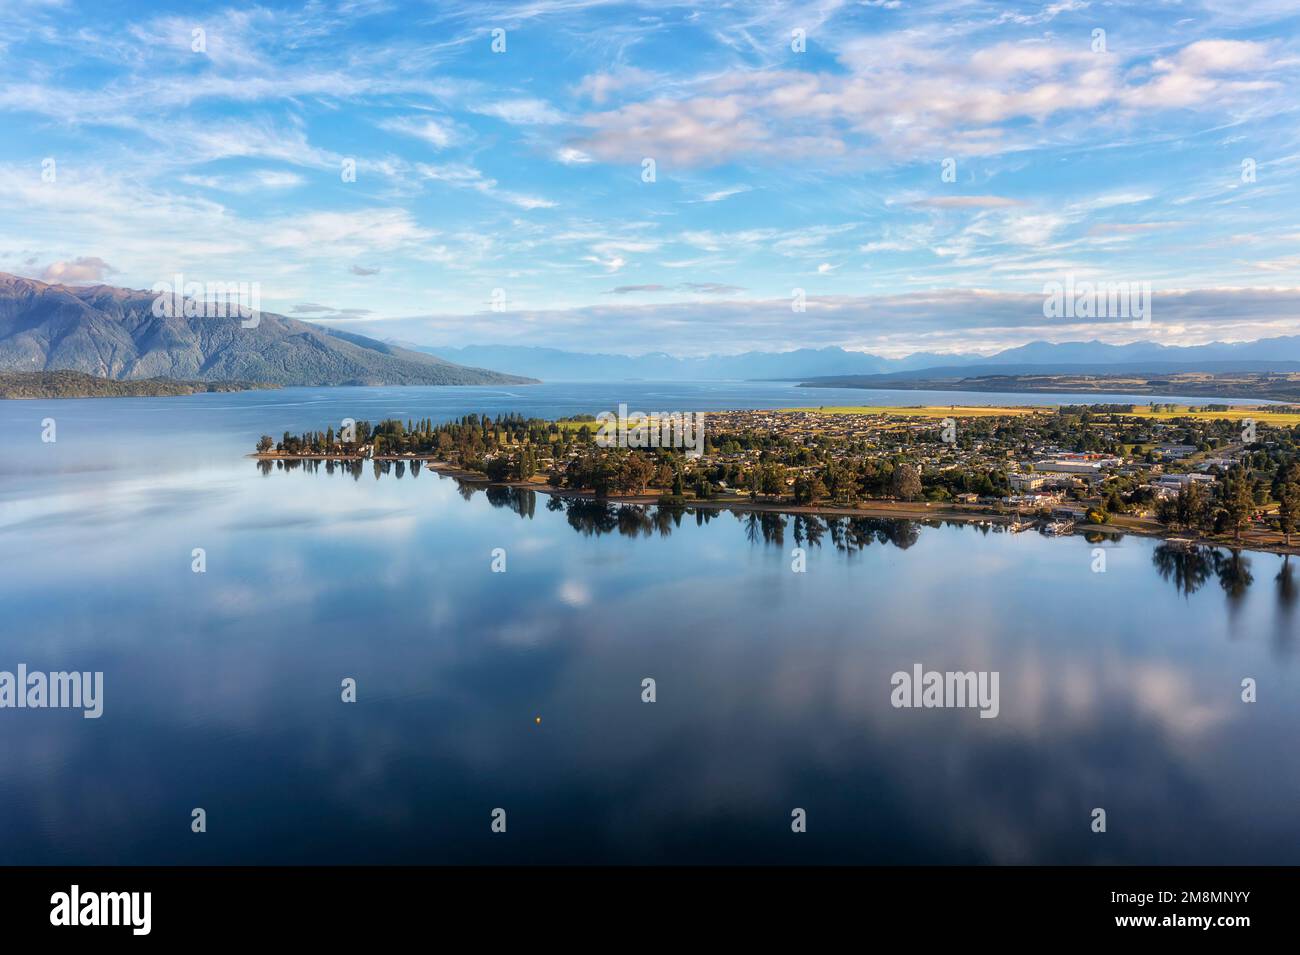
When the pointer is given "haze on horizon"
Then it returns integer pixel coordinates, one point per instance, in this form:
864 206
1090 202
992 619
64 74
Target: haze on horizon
212 140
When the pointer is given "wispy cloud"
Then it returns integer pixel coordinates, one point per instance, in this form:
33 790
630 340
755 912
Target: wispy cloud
372 154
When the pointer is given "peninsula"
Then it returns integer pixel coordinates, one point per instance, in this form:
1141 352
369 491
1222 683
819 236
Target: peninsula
76 384
1214 475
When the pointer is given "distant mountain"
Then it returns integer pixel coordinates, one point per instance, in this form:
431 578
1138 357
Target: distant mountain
554 364
922 377
1273 384
1149 354
804 364
112 333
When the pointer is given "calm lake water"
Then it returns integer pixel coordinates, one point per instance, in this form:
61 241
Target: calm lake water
1119 690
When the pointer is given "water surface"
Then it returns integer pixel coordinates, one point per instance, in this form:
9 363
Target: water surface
1118 690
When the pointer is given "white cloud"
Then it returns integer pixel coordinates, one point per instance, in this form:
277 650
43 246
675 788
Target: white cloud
437 133
464 176
252 181
902 98
345 234
721 194
611 264
83 269
572 157
522 112
598 87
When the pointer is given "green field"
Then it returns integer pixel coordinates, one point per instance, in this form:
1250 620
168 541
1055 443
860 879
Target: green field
592 426
953 411
1258 415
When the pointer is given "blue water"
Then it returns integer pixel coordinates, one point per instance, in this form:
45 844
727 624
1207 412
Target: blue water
1119 690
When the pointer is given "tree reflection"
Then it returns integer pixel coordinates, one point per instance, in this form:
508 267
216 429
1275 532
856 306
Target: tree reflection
521 500
1234 574
1286 601
1189 567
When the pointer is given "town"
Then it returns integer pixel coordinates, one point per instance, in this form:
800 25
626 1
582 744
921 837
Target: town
1211 473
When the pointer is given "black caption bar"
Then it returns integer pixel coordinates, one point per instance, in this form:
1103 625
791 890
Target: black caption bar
332 904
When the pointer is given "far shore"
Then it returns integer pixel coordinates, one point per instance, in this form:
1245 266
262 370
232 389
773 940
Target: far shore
899 510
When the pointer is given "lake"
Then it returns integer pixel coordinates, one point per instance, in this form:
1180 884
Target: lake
523 690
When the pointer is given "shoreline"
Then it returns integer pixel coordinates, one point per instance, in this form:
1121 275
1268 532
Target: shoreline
892 510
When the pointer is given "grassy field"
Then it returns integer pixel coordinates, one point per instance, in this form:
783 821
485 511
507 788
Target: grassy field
937 411
1258 415
575 426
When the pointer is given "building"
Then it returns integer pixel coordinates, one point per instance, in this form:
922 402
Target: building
1174 482
1026 482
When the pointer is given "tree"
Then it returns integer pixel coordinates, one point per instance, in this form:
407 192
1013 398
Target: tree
524 464
1191 509
634 473
905 485
1238 501
1288 505
265 443
773 479
1167 511
809 490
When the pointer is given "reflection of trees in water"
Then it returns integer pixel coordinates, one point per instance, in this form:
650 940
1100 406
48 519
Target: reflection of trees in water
809 530
1286 600
1234 574
1101 537
846 533
521 500
314 465
1286 589
860 532
633 521
589 516
766 526
1190 567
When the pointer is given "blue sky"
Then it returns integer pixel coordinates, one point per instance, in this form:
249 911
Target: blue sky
775 169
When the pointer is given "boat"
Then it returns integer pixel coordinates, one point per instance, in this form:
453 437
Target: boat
1059 527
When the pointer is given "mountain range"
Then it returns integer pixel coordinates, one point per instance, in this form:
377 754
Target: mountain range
113 333
808 363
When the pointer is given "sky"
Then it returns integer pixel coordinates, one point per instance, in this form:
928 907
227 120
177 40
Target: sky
667 177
